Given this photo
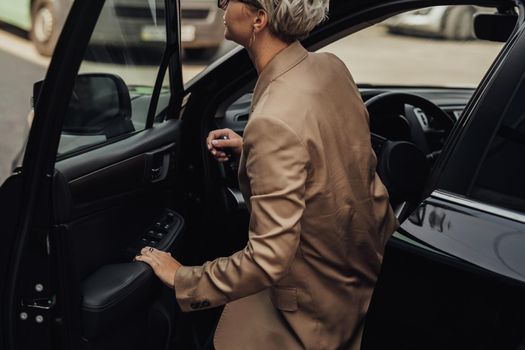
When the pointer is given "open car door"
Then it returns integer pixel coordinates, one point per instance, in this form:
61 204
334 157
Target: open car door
98 182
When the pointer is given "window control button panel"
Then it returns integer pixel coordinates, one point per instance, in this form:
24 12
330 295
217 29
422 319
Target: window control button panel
161 233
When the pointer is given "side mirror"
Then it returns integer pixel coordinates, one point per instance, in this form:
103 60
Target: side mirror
494 27
100 105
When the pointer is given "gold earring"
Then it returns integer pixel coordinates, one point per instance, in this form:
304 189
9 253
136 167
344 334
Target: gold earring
252 39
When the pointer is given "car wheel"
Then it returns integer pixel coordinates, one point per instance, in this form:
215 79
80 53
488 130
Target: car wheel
44 26
201 53
459 23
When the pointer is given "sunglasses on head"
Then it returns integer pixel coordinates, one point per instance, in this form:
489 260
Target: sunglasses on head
223 4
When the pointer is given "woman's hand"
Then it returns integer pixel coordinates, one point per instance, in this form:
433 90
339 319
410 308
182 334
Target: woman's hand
216 144
162 263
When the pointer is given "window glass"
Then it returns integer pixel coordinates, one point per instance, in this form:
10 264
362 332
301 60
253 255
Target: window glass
501 177
28 34
127 42
431 52
433 46
114 87
202 36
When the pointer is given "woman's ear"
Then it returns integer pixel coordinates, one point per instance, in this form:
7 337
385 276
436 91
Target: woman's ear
261 21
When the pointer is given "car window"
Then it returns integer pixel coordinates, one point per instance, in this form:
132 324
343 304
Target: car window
114 86
131 50
28 34
202 36
500 180
433 46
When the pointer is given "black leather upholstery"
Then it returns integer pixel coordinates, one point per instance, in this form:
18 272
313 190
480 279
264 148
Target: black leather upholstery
112 293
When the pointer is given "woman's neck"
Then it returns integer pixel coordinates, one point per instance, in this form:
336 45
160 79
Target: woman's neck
264 49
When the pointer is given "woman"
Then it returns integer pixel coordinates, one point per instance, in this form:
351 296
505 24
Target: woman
319 214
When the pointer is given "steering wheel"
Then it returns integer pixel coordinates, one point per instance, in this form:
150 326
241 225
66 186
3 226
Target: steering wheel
401 125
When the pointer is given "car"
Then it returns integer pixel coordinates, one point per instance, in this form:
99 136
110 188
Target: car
76 213
447 22
41 18
201 24
202 28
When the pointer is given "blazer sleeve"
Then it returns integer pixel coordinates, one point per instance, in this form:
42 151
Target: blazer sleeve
277 165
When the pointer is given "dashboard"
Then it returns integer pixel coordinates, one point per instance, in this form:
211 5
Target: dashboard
451 100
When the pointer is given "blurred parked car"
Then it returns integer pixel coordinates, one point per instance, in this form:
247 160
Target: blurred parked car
202 28
448 22
201 24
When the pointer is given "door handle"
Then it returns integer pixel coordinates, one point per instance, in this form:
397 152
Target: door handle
158 164
160 167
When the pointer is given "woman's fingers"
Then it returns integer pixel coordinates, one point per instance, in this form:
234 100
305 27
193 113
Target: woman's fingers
232 143
216 143
150 251
148 260
216 138
215 134
149 256
218 154
163 264
147 250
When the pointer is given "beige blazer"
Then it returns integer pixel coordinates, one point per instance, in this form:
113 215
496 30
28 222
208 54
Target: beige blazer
319 216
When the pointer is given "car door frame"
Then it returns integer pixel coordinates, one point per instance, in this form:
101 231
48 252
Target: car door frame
224 86
32 264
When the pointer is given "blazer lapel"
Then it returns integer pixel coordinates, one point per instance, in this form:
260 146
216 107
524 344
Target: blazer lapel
280 64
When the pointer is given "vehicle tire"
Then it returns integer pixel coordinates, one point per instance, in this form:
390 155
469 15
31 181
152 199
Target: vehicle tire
44 26
201 53
459 23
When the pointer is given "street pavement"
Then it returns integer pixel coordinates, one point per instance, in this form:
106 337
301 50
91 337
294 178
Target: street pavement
374 56
18 72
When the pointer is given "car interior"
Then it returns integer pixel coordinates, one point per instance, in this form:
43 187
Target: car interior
130 185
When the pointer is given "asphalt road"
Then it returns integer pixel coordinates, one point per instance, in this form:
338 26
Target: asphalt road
17 78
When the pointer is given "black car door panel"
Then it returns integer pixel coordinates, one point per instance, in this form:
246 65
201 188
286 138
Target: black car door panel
95 179
444 289
108 203
470 230
424 300
148 140
112 292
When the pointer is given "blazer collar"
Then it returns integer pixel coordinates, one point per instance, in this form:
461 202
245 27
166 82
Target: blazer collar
280 64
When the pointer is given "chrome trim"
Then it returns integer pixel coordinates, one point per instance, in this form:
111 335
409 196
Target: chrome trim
467 202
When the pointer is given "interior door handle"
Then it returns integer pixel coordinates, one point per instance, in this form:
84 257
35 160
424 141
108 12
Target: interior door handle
160 167
158 164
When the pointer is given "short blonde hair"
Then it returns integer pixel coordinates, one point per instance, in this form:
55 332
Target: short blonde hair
292 20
